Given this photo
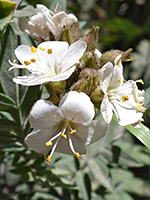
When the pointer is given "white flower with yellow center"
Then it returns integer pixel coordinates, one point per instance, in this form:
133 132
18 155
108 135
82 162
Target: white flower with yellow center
122 98
50 61
66 128
45 21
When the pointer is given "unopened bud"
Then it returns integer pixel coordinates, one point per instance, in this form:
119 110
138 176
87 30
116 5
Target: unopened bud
91 38
109 56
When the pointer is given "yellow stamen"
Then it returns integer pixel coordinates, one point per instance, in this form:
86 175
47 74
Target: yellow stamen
72 132
33 60
27 62
139 108
49 51
49 143
48 158
119 63
33 49
77 155
119 79
41 48
64 136
140 81
124 98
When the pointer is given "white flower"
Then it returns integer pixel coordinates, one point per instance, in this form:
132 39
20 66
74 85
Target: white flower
59 21
122 98
40 25
50 61
66 128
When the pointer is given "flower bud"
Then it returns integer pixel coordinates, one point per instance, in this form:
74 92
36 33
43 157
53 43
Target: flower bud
71 34
91 38
97 96
56 90
88 78
109 56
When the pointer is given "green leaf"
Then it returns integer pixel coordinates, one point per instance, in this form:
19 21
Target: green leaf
6 102
8 125
6 11
79 177
99 174
9 45
143 134
26 11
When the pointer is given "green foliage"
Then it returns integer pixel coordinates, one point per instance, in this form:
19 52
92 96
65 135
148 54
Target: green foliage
7 9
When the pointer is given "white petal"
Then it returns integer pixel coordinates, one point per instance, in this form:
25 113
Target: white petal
117 59
98 53
24 53
78 144
37 138
106 109
92 131
74 53
77 107
30 80
105 76
53 60
126 116
44 115
117 77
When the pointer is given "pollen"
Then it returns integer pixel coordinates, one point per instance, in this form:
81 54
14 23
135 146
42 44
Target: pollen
49 51
139 108
72 132
64 136
119 80
48 158
33 60
140 81
77 155
119 63
124 98
49 143
27 62
41 48
33 49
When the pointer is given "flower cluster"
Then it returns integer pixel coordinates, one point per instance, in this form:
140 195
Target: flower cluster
79 79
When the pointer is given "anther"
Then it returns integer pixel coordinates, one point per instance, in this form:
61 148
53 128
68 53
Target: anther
49 143
140 81
48 158
72 132
49 51
64 136
119 80
119 63
33 49
77 155
33 60
124 98
27 62
41 48
139 108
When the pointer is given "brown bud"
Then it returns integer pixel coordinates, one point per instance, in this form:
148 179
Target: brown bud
97 96
57 90
91 38
71 34
92 60
87 80
109 56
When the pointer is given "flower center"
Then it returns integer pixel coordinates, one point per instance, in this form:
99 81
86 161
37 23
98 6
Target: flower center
65 131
